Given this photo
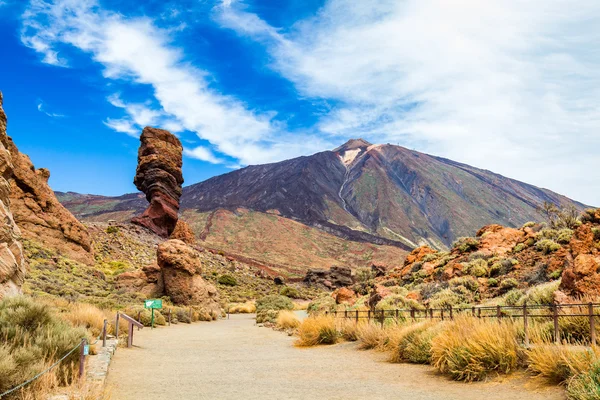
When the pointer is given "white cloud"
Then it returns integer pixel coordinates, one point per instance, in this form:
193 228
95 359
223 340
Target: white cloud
202 153
509 85
42 108
136 50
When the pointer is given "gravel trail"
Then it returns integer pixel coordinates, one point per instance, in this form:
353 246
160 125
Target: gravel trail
234 359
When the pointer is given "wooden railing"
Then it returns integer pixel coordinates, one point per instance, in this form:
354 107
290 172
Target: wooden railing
554 312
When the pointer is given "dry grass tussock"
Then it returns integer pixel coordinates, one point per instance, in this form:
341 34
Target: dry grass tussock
558 363
374 336
245 308
470 349
412 342
348 329
317 330
287 320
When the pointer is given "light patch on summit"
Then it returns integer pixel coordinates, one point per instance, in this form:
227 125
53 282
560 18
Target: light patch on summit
349 156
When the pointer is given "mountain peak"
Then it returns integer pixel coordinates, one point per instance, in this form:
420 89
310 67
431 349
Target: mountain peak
353 144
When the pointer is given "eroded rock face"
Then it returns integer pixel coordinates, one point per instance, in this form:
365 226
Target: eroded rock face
335 277
148 281
38 213
181 269
12 262
581 275
160 177
184 233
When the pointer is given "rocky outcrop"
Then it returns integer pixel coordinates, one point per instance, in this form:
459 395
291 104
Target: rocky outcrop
12 262
181 270
38 213
335 277
160 177
147 281
184 233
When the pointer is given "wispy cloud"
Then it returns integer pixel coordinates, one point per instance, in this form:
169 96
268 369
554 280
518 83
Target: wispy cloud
509 85
202 153
42 108
138 51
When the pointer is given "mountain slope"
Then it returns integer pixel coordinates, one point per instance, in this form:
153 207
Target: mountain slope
381 194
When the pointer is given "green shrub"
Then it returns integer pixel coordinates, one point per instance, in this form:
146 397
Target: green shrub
519 248
467 281
508 284
596 232
112 229
466 244
513 297
227 280
564 236
585 386
547 246
555 275
540 294
398 302
478 268
493 282
266 315
274 302
529 224
290 292
415 346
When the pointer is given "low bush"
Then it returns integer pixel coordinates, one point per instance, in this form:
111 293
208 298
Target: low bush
112 229
470 349
287 320
466 244
477 268
374 336
227 280
245 308
86 316
586 385
508 284
274 302
416 345
348 330
317 330
264 316
33 337
467 281
540 294
290 292
547 246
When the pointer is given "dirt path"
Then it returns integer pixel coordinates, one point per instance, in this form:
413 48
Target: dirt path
234 359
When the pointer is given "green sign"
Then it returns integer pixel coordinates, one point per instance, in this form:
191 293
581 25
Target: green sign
86 350
156 303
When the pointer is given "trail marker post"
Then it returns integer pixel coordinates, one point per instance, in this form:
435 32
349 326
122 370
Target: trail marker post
153 304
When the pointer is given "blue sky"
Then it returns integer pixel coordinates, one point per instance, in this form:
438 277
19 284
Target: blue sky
509 86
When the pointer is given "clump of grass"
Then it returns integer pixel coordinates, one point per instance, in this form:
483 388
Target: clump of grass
268 307
245 308
540 294
321 305
405 344
415 347
348 330
557 363
585 386
468 349
287 320
227 280
466 244
477 267
290 292
317 330
86 316
373 336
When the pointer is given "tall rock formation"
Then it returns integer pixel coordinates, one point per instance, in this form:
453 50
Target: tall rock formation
12 262
38 213
159 176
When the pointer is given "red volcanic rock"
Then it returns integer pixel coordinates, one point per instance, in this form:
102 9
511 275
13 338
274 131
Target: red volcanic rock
181 269
148 281
500 240
344 296
12 262
159 176
184 233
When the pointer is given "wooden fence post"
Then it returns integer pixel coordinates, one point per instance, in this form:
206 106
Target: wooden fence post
104 333
431 313
345 314
451 313
412 314
397 315
82 357
382 317
139 318
498 313
555 318
130 336
191 315
117 327
170 316
357 316
473 311
442 313
525 325
369 315
479 313
592 324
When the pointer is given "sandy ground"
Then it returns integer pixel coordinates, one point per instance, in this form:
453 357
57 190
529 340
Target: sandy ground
234 359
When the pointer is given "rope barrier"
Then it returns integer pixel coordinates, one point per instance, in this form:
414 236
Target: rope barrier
41 373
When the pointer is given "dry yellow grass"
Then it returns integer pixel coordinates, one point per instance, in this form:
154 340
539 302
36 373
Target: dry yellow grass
85 316
287 320
398 343
301 306
469 349
245 308
317 330
348 329
559 363
374 336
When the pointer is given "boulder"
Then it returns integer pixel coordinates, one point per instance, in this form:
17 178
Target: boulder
148 281
159 176
344 296
499 240
335 277
12 261
181 270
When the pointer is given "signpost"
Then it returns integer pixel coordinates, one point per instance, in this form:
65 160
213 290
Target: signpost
153 304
